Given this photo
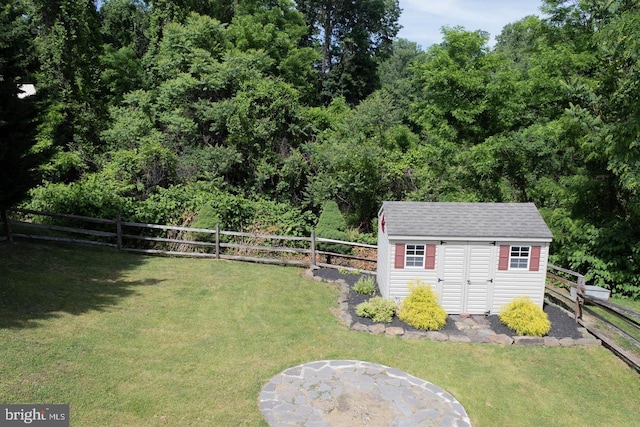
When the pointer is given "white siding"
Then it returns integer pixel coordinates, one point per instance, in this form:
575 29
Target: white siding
385 262
466 278
510 284
399 278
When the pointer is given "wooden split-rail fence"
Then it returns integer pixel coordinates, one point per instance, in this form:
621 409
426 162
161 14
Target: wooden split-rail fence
287 250
187 241
560 279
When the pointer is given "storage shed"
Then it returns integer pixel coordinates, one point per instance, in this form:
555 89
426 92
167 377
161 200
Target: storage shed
476 256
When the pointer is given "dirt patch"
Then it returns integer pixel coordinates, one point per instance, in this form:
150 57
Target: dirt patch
359 409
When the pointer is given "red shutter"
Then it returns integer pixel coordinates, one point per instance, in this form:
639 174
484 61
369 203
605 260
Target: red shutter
534 262
503 263
430 257
399 255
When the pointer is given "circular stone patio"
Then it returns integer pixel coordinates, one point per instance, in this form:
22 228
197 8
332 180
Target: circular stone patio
351 393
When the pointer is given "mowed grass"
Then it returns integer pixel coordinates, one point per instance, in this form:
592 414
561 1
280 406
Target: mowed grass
130 340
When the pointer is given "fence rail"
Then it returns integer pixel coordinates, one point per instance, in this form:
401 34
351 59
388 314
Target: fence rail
175 240
293 250
583 303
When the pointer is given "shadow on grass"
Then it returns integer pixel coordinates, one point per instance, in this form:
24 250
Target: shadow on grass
41 281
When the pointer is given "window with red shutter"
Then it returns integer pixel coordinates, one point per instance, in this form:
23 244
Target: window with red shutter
519 258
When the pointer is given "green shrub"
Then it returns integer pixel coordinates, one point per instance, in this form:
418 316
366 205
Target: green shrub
378 309
348 272
332 225
525 317
421 309
366 285
207 218
90 196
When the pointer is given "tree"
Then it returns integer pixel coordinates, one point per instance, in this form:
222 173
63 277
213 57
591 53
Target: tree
68 44
20 155
276 28
456 78
397 78
605 112
125 23
361 161
353 36
331 225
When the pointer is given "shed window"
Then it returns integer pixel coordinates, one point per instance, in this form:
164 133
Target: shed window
414 256
519 257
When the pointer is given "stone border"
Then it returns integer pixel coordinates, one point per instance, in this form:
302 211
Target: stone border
352 392
473 329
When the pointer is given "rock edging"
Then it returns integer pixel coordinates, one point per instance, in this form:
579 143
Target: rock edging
473 329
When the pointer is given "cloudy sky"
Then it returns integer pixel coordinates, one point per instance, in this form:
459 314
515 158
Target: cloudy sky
422 19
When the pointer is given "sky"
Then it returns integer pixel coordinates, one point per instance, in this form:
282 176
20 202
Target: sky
423 19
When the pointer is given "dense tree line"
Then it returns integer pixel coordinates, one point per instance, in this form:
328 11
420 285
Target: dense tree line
259 112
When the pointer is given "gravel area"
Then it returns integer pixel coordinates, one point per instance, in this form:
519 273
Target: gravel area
562 325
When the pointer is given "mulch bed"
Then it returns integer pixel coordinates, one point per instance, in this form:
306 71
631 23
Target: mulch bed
562 325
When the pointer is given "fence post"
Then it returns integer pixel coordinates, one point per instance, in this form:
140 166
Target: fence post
217 241
7 225
119 231
579 297
312 264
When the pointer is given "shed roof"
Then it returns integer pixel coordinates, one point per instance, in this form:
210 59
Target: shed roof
444 220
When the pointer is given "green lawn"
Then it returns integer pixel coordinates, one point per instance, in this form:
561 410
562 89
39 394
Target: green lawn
629 304
130 340
621 324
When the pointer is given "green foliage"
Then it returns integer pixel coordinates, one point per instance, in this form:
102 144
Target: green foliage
121 72
20 154
332 225
208 219
276 29
457 76
354 37
171 205
211 164
525 317
140 171
421 309
276 107
68 46
365 285
360 159
377 309
331 218
397 78
91 196
281 218
125 23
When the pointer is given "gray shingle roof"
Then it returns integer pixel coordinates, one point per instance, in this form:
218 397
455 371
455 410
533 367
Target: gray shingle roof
461 220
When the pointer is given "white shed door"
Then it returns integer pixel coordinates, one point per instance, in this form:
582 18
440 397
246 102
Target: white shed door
451 276
479 274
465 271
